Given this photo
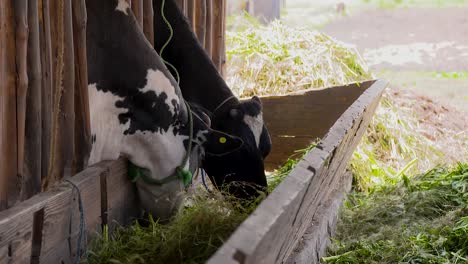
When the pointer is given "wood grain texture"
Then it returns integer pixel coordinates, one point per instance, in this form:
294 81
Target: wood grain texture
200 21
61 217
31 183
313 244
137 9
148 18
272 232
315 110
82 116
218 45
209 27
9 189
21 40
63 111
47 84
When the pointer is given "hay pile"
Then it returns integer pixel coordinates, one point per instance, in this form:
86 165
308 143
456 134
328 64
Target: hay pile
423 219
277 59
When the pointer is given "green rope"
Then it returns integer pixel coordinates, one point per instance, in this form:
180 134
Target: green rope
171 34
136 172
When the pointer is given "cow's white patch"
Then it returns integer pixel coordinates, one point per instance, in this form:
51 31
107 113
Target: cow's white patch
105 125
157 82
255 124
122 6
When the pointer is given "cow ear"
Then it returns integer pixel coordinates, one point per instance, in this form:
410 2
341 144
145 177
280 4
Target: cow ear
256 99
219 143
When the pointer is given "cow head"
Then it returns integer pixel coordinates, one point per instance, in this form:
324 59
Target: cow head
241 172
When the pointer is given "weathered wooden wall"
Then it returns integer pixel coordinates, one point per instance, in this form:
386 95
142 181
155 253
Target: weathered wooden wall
44 108
44 134
46 228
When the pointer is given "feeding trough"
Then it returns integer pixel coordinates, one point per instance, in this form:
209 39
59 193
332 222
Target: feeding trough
291 225
294 222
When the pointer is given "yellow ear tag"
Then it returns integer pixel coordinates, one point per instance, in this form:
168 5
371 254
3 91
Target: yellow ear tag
222 140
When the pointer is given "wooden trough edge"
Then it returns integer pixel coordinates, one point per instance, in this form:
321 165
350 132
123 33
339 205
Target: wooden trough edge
273 232
46 227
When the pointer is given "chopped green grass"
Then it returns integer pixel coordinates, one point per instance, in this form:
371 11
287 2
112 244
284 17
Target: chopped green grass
194 234
423 219
277 59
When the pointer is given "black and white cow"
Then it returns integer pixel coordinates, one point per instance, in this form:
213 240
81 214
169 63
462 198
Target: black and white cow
201 83
137 109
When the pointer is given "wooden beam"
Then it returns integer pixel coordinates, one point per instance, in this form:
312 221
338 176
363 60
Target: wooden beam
209 27
137 8
8 126
82 116
31 183
200 21
21 40
45 228
47 67
148 20
272 232
218 48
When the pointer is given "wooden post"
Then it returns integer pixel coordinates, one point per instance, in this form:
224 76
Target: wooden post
182 4
8 141
148 19
31 183
190 12
82 115
200 21
137 8
63 117
209 27
21 40
47 67
218 49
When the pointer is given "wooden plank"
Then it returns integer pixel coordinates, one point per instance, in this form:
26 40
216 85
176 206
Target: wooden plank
272 232
63 107
121 196
316 238
31 183
21 40
55 214
137 8
82 115
8 141
209 27
218 46
200 21
47 86
148 20
190 13
315 109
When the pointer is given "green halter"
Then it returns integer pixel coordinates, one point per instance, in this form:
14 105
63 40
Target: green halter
135 172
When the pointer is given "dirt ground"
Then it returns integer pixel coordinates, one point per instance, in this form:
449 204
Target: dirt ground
407 46
417 49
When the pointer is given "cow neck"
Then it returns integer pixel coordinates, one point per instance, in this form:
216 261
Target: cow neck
200 81
181 173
